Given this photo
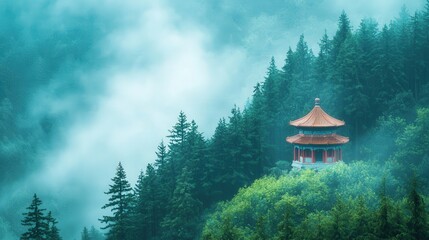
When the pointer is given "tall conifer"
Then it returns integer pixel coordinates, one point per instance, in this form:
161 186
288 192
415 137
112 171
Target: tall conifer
120 201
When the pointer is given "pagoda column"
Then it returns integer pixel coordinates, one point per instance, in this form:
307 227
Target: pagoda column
335 155
324 155
294 154
312 155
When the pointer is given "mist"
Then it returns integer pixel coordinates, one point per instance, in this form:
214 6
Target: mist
143 63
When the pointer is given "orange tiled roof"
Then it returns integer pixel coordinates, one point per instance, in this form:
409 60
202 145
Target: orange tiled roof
317 118
325 139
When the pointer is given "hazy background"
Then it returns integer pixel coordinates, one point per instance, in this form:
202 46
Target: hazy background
137 65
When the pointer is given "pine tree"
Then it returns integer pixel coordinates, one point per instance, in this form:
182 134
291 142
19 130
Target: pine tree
165 180
176 154
367 49
265 119
147 207
95 234
383 224
323 60
181 222
161 155
417 224
258 134
196 154
140 214
120 204
36 221
343 32
237 155
53 232
301 81
178 136
216 165
85 234
351 95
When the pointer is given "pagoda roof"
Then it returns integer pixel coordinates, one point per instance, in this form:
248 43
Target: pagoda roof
317 118
317 139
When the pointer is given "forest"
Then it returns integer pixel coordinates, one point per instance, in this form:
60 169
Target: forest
238 184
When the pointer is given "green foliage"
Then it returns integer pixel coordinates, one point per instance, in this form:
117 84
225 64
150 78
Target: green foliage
306 205
414 141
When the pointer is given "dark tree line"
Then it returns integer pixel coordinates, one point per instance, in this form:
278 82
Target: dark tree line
372 77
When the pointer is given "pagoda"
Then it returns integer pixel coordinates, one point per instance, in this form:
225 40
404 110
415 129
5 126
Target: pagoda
317 145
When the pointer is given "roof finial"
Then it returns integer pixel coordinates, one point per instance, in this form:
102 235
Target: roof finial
317 101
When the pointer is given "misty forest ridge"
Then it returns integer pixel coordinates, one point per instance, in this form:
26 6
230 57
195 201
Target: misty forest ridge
328 138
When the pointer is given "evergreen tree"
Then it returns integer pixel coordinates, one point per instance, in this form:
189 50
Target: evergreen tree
53 232
177 150
195 155
178 137
36 221
161 155
140 228
351 95
165 181
216 175
301 79
322 73
85 234
383 224
147 208
95 234
323 60
343 32
237 155
181 221
258 135
417 224
266 119
120 201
